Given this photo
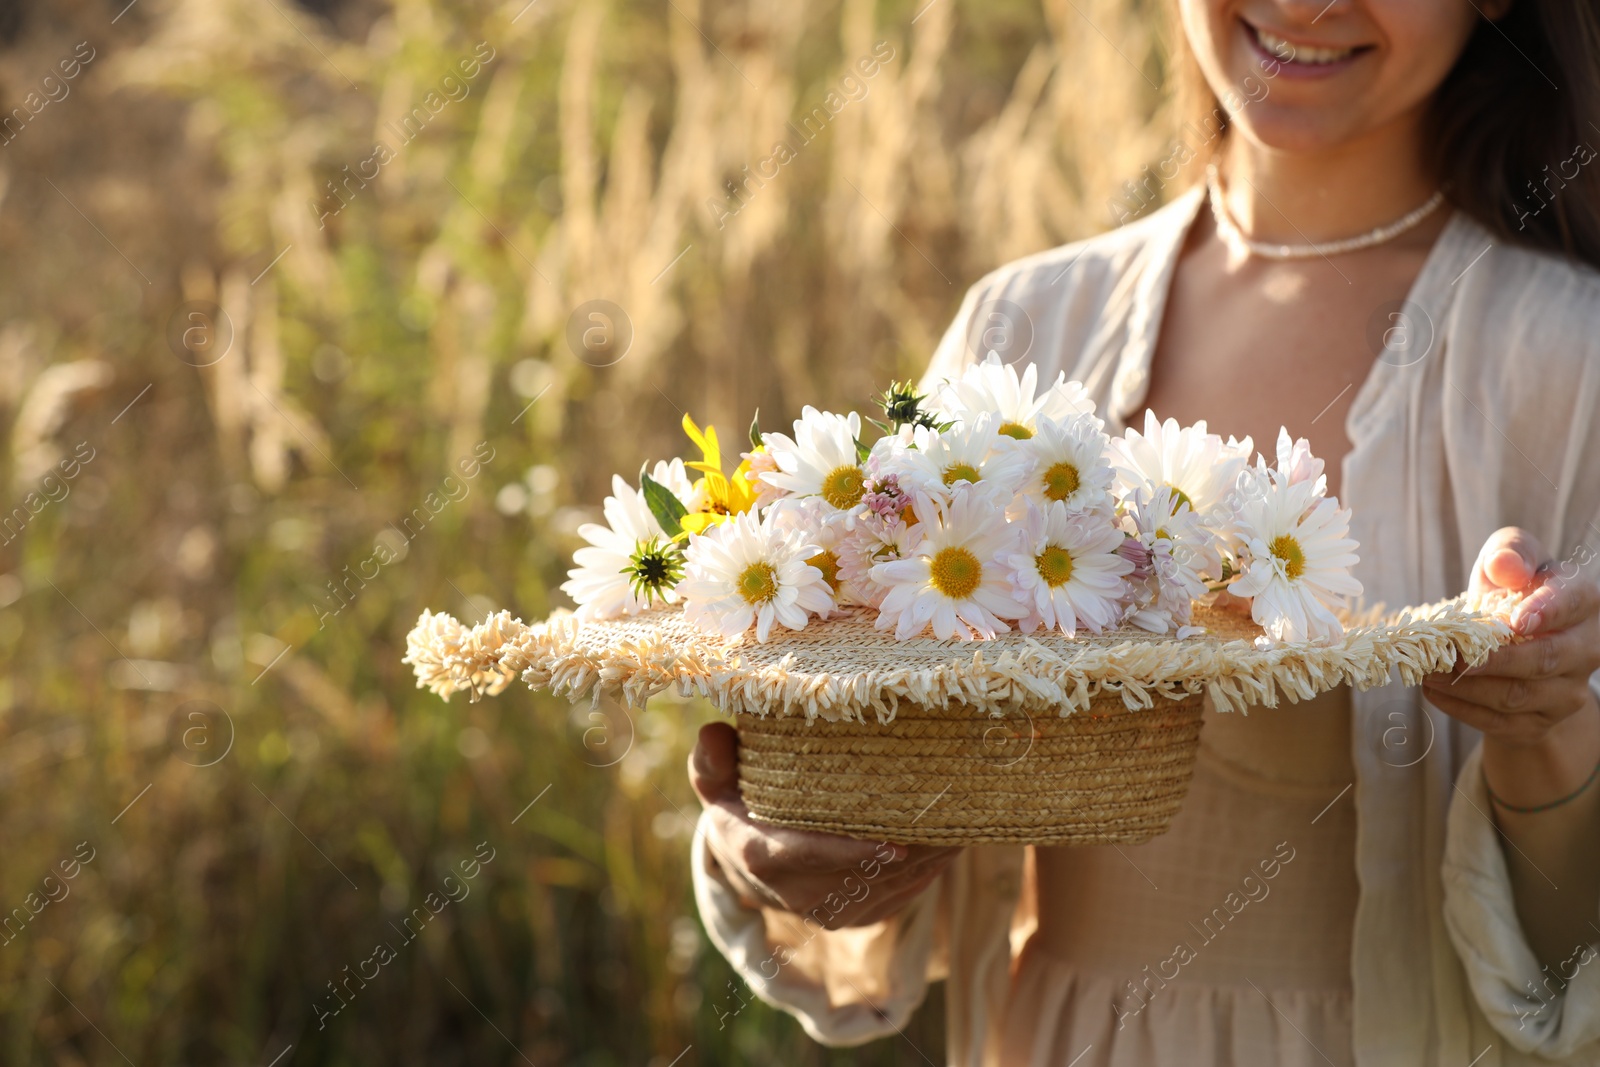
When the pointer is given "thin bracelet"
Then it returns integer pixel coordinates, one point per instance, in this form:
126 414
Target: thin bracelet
1574 795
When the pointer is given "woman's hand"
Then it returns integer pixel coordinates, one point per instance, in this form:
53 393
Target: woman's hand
1541 736
840 881
1524 694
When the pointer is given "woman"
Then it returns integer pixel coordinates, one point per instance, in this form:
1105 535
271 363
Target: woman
1367 878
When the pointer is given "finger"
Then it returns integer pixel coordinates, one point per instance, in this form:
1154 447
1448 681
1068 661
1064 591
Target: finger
1474 715
1508 560
1515 727
750 891
714 773
714 765
808 850
914 866
886 901
917 855
1549 656
1555 605
1505 694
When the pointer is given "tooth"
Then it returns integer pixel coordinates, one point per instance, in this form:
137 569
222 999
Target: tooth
1288 52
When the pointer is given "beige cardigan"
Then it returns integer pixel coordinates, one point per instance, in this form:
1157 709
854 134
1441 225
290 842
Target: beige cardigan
1489 417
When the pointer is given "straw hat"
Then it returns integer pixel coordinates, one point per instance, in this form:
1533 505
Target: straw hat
1035 739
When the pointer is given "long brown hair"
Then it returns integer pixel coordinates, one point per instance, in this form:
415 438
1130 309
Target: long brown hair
1513 131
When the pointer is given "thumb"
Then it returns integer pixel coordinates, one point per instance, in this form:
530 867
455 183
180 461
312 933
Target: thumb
714 764
1509 560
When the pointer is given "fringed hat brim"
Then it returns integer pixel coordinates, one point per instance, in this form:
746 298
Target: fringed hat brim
844 668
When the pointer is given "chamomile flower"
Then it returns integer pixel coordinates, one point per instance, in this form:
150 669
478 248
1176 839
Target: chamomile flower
955 581
972 453
1295 465
1068 569
820 460
992 387
630 564
1298 557
1199 466
752 570
1167 573
675 477
1069 464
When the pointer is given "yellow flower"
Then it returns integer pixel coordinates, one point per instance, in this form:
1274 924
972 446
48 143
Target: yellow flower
717 495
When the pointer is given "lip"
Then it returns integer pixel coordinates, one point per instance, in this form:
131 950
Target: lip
1289 68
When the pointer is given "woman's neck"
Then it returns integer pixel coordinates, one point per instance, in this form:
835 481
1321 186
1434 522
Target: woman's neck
1299 197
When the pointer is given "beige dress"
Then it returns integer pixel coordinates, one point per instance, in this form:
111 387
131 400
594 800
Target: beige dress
1312 906
1225 940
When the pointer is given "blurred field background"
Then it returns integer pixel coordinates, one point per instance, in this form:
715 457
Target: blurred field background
185 696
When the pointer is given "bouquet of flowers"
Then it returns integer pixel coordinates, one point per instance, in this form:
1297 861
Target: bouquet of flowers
987 504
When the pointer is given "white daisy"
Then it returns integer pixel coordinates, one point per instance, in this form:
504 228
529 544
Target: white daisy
819 460
1198 465
749 570
1295 464
1069 464
1298 557
992 387
972 453
630 565
675 477
954 580
1069 569
1172 548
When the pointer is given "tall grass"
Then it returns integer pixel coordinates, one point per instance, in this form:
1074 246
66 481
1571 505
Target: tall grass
201 676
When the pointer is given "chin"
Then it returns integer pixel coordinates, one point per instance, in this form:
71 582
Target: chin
1300 130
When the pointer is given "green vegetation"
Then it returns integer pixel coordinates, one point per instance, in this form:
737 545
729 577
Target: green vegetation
201 626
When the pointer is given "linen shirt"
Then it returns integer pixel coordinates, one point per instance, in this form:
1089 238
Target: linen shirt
1479 412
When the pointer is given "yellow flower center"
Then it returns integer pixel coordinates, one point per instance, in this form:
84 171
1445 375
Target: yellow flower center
1288 549
1061 481
960 472
1179 498
1015 430
1055 565
842 487
828 563
759 583
955 572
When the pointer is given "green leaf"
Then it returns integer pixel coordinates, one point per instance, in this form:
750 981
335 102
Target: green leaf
667 508
862 451
755 429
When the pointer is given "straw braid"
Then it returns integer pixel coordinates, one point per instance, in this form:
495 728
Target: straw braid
844 669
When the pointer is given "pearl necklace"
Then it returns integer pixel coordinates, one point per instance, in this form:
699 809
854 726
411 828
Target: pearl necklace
1235 238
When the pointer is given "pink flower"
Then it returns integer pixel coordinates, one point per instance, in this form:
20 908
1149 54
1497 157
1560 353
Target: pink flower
1134 551
1296 461
884 497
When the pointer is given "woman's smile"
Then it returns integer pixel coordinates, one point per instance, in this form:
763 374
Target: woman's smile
1299 58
